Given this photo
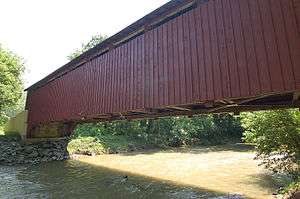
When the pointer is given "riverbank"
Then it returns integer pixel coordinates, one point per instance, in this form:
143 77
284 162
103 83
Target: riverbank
35 151
16 151
107 144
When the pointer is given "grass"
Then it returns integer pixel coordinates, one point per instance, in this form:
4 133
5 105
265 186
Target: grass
103 144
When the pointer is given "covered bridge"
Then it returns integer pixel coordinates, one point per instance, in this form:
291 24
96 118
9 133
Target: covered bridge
185 58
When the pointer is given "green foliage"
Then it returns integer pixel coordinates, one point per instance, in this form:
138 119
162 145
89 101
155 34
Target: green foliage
216 129
105 138
89 130
203 129
97 39
277 138
16 108
291 189
3 118
164 132
158 132
11 85
85 146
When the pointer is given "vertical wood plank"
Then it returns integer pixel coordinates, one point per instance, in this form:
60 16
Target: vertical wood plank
207 52
240 49
231 50
194 59
187 59
226 87
170 57
272 52
293 37
165 64
215 51
176 62
250 49
283 47
202 88
160 57
182 68
155 68
151 70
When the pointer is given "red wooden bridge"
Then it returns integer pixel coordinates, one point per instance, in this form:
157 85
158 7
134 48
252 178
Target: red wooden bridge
187 57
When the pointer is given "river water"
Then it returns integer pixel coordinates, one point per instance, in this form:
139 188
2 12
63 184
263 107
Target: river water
184 173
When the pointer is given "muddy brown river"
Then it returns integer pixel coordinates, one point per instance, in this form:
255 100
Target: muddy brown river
214 172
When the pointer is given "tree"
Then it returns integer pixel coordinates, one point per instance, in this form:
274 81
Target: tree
277 138
97 39
11 84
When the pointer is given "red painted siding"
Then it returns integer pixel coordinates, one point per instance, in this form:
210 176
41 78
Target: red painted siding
297 12
221 49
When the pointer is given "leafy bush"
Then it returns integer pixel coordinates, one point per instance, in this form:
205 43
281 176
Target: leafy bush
89 130
103 144
216 129
165 132
85 146
104 138
277 138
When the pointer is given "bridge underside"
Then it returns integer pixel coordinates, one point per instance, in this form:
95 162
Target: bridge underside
265 102
257 103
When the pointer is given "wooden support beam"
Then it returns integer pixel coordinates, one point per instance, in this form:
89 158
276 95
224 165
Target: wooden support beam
179 108
296 96
223 101
122 116
209 105
245 101
139 112
229 101
218 109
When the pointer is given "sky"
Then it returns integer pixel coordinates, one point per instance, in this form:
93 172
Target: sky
45 32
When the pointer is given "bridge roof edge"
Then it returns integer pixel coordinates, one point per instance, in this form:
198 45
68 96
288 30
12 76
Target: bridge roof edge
132 29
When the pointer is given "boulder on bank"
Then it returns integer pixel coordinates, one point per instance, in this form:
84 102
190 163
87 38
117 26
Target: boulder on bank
32 151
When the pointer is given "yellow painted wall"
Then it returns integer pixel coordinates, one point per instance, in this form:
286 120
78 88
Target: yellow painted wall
17 124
